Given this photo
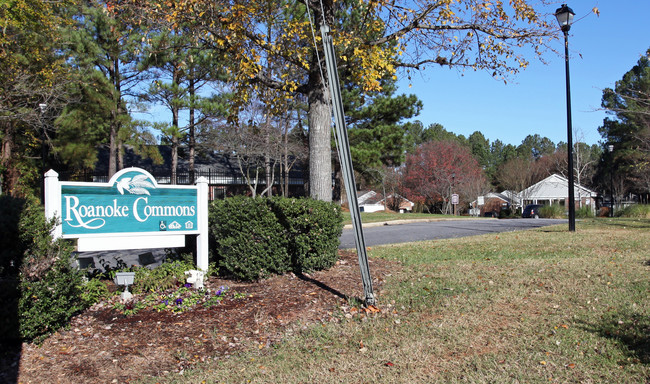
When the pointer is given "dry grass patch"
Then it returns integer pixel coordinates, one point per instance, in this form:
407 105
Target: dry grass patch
538 306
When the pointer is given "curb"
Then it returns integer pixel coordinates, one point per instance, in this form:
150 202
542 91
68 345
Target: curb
409 221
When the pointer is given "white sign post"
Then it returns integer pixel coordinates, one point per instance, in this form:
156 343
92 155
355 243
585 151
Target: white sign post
454 201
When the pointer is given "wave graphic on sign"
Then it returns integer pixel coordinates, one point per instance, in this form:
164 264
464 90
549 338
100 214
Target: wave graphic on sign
136 186
88 223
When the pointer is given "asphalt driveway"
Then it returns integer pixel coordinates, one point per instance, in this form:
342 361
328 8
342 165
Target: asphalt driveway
380 233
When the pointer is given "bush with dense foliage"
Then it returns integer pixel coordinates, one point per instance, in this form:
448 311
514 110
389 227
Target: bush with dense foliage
41 290
314 228
256 237
249 241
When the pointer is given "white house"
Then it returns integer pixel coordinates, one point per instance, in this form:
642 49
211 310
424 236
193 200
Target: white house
494 202
554 190
371 201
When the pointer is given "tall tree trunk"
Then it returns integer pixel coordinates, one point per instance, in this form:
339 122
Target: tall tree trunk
174 142
285 161
320 117
267 157
9 172
320 136
112 146
120 154
114 72
192 132
175 133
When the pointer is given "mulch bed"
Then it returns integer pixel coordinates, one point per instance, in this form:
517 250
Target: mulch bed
104 346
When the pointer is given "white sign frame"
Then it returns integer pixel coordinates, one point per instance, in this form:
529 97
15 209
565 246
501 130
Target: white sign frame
131 240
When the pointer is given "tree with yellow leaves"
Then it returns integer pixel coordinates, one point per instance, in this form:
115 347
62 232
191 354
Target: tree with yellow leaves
385 36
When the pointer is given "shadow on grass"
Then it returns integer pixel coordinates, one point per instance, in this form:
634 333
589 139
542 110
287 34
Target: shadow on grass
630 330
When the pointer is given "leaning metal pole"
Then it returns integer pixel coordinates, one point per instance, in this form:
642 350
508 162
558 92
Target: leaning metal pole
571 199
346 163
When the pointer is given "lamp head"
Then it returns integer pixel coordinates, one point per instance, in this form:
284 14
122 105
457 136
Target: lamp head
564 16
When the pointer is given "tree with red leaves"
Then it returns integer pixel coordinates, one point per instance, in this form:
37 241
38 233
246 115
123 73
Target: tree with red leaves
436 170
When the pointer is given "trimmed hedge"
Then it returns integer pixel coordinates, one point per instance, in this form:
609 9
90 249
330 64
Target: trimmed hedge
313 228
250 243
254 238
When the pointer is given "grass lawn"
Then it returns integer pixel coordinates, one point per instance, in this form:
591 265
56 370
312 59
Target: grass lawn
539 306
374 217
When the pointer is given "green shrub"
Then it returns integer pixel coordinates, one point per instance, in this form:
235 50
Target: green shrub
640 211
314 228
249 241
552 212
166 276
585 212
94 291
254 238
47 289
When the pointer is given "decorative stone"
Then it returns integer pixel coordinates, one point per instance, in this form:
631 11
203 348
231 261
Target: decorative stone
195 278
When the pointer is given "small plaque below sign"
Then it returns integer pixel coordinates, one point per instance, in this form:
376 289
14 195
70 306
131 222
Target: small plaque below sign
92 244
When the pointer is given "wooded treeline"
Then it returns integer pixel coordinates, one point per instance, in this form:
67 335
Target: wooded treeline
244 78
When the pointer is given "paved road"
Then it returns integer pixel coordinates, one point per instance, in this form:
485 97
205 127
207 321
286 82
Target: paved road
420 231
375 234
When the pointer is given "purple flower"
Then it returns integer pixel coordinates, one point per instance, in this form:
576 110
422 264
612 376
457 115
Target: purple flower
221 290
188 285
166 302
179 301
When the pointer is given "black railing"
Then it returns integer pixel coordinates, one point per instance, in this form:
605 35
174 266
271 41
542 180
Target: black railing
214 177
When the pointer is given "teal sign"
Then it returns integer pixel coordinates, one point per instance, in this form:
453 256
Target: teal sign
131 201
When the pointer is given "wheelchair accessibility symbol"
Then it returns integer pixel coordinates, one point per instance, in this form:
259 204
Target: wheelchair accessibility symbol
163 225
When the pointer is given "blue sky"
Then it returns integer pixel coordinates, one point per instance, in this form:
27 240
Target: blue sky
601 49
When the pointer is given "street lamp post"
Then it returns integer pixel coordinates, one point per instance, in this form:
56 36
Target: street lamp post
564 17
610 148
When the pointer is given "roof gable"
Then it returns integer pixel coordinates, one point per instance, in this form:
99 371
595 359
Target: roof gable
553 187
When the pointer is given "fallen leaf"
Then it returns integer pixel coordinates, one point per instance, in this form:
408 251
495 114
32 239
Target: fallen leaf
372 309
571 366
542 362
389 364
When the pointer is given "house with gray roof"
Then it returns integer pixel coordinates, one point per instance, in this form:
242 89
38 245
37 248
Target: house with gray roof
554 190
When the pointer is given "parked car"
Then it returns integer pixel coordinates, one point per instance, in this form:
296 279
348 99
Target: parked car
531 211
